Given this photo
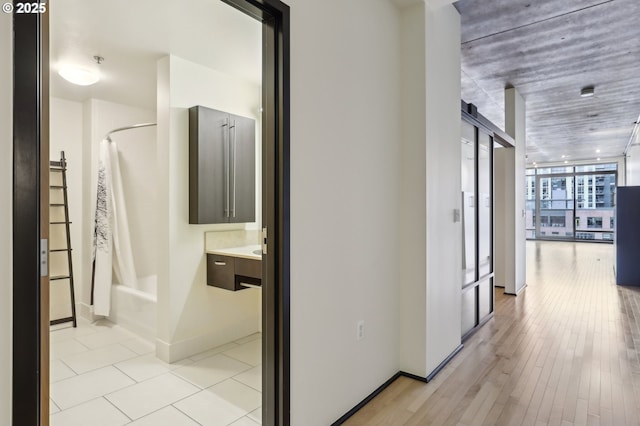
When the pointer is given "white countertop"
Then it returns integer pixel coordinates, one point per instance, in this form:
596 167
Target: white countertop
253 252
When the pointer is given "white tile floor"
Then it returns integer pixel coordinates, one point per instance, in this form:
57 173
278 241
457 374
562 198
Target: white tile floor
103 375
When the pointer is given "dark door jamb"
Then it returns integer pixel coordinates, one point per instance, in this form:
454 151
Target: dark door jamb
27 123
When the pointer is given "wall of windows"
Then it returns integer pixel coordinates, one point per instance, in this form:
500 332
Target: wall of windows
571 202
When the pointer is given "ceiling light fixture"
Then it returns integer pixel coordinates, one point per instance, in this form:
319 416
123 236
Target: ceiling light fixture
598 151
79 75
587 91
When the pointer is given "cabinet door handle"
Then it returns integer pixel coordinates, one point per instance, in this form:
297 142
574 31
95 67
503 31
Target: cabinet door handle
219 263
235 132
226 163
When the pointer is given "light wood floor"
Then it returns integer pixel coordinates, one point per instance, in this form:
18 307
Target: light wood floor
564 352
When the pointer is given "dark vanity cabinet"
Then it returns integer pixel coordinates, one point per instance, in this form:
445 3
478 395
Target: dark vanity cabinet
221 167
233 273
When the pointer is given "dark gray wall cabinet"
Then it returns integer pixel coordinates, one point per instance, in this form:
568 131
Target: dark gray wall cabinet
221 167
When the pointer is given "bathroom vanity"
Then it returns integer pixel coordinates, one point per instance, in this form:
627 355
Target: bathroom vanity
235 268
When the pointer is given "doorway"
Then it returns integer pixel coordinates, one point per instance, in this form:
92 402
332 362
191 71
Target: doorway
30 402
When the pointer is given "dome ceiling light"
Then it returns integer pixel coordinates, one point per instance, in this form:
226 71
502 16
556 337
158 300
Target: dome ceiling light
79 75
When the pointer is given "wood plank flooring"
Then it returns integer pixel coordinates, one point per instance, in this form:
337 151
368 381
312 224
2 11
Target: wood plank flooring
564 352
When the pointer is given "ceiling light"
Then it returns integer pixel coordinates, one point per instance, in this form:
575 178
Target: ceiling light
587 91
566 162
598 158
597 151
77 75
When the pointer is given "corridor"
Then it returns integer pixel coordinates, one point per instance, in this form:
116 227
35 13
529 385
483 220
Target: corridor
564 352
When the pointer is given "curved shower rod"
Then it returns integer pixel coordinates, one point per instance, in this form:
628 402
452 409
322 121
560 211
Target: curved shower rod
135 126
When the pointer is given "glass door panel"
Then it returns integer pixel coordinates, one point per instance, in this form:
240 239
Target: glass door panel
468 175
556 207
484 204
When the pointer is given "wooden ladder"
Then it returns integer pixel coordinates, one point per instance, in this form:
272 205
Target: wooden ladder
59 216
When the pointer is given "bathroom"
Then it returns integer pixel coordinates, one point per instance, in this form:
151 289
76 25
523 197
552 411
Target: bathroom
198 345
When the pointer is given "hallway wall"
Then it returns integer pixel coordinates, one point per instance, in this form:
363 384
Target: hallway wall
345 131
6 224
375 140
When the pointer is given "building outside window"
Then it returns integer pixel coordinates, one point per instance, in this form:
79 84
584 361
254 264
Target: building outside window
594 222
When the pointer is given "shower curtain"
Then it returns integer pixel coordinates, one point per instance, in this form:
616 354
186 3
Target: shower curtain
111 242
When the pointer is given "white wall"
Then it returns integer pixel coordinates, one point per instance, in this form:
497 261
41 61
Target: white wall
413 189
66 135
633 163
6 224
430 241
444 237
366 242
515 126
345 211
191 315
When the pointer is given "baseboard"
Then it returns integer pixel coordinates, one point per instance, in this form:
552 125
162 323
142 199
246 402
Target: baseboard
181 349
386 384
365 401
445 362
517 292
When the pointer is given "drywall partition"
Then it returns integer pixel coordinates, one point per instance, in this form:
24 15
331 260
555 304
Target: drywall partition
413 189
444 234
504 216
430 239
6 223
515 253
345 206
193 317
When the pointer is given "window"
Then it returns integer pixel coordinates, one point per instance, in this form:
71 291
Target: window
594 222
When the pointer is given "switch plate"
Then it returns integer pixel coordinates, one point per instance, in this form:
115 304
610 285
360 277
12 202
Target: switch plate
360 330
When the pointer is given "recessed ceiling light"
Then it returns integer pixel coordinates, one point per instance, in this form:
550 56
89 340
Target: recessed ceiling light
563 156
598 151
598 158
587 91
566 162
77 75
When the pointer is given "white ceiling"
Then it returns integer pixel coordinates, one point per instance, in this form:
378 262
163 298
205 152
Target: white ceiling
133 35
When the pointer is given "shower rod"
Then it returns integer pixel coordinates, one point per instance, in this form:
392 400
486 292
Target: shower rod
135 126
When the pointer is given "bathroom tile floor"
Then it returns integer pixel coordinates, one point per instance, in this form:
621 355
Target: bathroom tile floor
104 375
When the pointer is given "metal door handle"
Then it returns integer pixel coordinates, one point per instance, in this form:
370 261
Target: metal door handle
235 133
219 263
226 163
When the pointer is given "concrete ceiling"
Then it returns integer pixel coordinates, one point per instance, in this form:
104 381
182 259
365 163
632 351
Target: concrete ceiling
548 50
133 35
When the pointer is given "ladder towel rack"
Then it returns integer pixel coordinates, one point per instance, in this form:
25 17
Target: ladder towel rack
59 214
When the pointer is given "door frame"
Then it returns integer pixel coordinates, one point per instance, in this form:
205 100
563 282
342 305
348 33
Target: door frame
30 390
30 155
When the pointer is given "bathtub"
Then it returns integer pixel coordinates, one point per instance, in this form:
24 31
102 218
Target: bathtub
135 308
